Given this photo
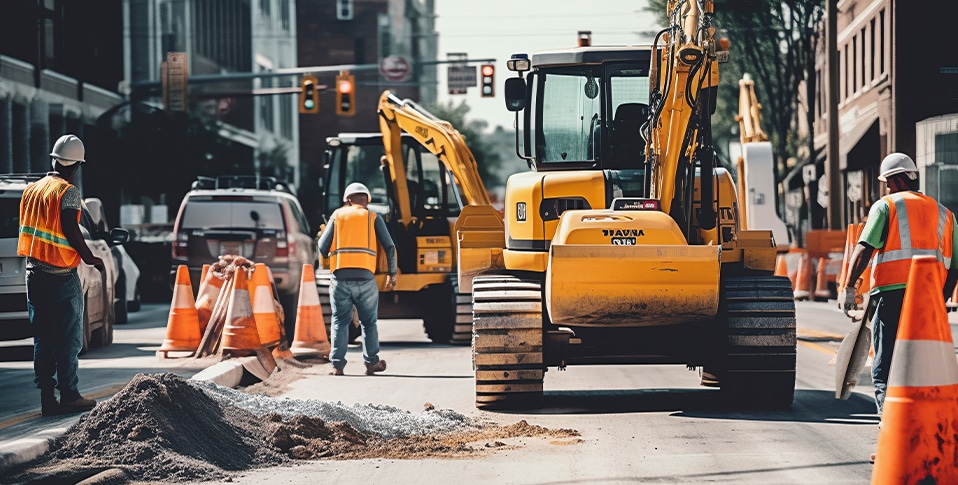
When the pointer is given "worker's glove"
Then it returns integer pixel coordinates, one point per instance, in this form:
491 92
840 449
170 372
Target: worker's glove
391 281
849 302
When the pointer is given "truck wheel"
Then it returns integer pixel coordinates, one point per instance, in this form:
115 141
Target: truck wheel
507 342
759 363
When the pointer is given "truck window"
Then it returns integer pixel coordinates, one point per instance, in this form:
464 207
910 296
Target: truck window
571 114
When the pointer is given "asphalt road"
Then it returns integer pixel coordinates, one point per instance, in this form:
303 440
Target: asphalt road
650 424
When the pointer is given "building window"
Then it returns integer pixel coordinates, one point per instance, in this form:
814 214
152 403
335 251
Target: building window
881 51
284 14
854 65
264 7
844 63
864 62
873 56
344 9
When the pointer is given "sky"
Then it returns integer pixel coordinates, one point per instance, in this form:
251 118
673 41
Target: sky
497 29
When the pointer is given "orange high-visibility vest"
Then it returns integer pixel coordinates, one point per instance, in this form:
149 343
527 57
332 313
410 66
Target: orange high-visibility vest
354 243
917 225
41 236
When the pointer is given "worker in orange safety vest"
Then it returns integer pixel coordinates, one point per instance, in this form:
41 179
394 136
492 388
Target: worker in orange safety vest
901 225
51 240
350 242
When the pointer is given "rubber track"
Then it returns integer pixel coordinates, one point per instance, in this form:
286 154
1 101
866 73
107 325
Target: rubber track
507 341
761 357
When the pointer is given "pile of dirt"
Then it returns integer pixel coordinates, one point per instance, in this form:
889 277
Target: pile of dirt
161 427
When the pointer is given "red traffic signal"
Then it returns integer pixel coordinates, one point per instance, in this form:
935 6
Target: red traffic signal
345 94
487 82
308 96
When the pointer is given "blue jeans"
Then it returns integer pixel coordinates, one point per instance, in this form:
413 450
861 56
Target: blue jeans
364 294
55 306
884 309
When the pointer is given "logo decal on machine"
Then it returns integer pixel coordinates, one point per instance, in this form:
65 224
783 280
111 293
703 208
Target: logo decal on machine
520 211
622 237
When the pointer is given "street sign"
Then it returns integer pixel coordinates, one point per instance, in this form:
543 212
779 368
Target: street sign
176 82
395 68
459 78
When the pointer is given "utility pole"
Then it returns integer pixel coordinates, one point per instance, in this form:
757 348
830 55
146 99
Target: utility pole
832 172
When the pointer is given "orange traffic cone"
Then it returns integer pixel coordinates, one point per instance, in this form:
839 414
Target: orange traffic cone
206 297
310 336
781 266
203 273
240 335
850 241
264 312
182 326
920 418
803 278
822 293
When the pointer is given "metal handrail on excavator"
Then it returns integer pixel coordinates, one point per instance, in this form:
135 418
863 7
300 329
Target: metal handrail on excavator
437 136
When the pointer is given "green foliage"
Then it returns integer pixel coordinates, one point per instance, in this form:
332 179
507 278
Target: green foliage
487 157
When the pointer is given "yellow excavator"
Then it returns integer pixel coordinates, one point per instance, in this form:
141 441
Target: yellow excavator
420 174
756 169
624 245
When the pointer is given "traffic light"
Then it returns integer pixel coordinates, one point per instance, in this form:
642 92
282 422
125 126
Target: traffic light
345 94
488 84
308 96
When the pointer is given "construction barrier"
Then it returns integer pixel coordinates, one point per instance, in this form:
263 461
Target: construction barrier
310 336
207 295
240 335
916 441
182 326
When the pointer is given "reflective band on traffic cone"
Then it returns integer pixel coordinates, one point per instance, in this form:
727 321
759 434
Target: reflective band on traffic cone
264 312
803 278
916 442
310 336
822 293
206 297
182 326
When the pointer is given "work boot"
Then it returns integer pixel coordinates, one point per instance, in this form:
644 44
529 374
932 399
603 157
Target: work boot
48 403
336 371
374 368
75 403
709 379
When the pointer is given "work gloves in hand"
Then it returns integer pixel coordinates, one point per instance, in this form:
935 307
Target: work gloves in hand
849 300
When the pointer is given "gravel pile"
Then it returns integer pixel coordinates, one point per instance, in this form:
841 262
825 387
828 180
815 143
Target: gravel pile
163 428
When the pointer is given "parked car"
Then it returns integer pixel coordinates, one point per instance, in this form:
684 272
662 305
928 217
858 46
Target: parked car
128 281
98 287
254 217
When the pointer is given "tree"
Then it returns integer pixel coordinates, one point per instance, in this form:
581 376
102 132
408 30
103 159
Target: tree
488 159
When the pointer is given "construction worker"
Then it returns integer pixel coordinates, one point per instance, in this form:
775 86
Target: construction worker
51 240
900 225
350 241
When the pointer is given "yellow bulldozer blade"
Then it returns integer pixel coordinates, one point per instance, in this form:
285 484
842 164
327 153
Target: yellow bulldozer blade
606 285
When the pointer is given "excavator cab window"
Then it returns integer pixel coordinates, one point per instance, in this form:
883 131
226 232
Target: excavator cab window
588 115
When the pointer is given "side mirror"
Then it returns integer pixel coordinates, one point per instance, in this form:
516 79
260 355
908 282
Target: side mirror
118 236
515 94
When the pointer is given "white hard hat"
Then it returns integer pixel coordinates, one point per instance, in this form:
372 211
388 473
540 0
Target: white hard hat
68 150
355 188
897 163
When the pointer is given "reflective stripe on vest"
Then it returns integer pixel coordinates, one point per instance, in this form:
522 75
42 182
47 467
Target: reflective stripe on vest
354 243
912 233
41 235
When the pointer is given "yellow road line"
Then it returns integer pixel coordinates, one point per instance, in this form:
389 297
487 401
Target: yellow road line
819 347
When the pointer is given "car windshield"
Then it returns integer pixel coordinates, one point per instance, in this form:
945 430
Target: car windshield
213 214
9 217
